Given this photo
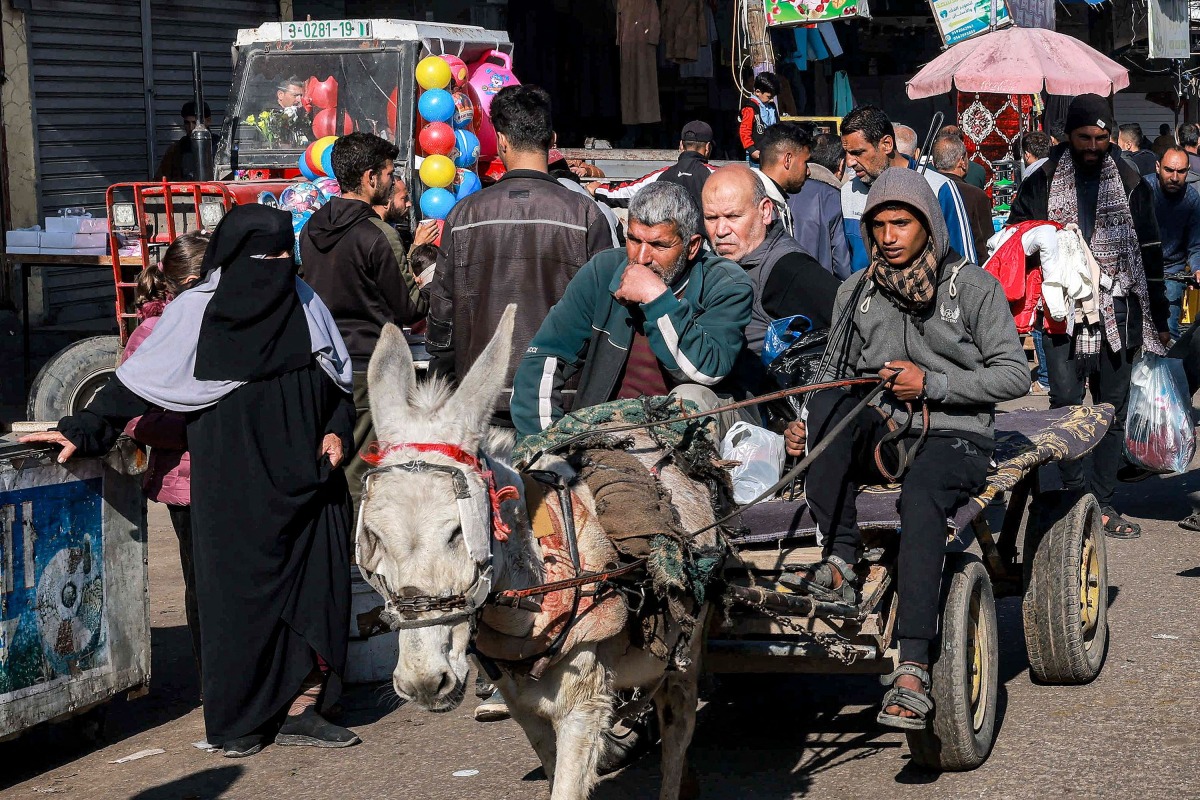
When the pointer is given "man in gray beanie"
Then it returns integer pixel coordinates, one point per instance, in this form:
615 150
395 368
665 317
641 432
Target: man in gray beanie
1082 183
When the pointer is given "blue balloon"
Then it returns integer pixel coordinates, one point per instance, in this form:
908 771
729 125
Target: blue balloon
466 149
436 203
327 162
306 171
436 105
469 185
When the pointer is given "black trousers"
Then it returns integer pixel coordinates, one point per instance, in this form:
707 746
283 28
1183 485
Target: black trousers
946 470
1109 384
181 521
1188 350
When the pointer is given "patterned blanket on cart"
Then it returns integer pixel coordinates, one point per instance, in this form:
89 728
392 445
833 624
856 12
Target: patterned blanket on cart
1025 440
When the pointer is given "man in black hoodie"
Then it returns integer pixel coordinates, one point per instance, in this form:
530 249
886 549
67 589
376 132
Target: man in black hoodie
356 263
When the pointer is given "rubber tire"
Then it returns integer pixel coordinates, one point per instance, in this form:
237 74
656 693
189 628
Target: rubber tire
950 742
1054 638
67 381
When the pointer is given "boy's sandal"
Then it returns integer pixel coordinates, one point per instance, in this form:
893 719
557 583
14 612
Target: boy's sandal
1117 527
817 580
1192 522
916 702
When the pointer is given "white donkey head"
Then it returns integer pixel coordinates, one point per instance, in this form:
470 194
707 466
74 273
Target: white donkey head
419 538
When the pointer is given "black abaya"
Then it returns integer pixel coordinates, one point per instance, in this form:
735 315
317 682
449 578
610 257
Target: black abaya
271 524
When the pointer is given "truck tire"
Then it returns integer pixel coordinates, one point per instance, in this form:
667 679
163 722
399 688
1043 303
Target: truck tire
965 673
72 377
1065 608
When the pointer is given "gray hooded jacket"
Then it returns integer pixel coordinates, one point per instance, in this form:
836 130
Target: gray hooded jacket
965 341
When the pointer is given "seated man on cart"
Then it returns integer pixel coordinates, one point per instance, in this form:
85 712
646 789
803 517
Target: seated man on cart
940 328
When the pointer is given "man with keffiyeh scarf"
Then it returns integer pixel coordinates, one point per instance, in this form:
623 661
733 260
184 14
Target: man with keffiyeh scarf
1081 182
941 327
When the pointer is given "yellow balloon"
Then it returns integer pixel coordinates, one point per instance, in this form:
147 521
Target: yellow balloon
321 145
437 172
433 73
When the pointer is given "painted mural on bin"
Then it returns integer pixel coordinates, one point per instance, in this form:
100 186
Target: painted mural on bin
51 583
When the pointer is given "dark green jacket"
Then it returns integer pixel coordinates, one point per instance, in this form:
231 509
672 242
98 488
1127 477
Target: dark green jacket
696 331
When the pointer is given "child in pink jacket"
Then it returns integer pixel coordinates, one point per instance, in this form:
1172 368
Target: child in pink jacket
167 478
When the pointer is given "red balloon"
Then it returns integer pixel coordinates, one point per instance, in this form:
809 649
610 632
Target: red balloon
322 94
437 138
325 123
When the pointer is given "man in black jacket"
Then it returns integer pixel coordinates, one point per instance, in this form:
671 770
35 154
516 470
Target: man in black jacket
690 171
519 241
357 265
1083 183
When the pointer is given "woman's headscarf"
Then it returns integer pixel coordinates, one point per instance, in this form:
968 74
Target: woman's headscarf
247 319
253 327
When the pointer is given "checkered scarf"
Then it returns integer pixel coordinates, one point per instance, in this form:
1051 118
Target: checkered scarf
911 288
1114 245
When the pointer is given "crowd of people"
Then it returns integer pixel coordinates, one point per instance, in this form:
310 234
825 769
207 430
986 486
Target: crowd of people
250 382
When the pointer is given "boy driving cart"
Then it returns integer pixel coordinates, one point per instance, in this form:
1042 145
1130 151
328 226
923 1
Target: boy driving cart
940 328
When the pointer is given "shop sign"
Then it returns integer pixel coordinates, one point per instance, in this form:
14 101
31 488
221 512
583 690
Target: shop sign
959 20
786 13
1169 34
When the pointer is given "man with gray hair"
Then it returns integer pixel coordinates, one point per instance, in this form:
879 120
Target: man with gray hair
950 159
664 316
906 141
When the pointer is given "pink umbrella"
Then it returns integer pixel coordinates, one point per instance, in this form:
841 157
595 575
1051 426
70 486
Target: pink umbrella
1020 61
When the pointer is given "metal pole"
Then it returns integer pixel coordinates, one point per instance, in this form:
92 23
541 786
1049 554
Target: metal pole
201 137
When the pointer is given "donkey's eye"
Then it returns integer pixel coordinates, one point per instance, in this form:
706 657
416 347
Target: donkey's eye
454 534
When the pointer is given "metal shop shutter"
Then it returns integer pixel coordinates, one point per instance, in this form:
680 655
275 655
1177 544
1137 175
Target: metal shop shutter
1134 107
88 99
209 29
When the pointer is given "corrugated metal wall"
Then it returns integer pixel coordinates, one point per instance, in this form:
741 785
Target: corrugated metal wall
92 70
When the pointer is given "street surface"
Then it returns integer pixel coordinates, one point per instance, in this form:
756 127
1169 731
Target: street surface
1133 733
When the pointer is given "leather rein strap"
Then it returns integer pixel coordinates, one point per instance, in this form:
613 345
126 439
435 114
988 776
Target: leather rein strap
904 455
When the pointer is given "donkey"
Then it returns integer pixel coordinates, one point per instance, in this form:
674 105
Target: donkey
414 539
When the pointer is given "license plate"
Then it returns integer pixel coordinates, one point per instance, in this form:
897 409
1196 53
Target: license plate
333 29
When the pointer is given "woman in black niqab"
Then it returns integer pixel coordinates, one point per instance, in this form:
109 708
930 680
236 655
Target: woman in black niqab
256 363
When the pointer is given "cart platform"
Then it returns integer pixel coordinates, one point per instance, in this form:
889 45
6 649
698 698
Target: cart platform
1025 440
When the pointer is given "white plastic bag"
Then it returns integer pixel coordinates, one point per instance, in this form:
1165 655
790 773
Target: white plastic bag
1159 434
761 455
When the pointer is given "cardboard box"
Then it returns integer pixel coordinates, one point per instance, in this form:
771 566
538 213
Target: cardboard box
77 251
76 225
27 237
72 241
24 251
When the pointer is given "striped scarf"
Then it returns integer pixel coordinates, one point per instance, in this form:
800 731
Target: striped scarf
910 288
1114 245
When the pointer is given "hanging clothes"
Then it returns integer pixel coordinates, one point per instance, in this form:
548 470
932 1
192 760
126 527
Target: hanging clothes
684 30
843 98
638 32
702 67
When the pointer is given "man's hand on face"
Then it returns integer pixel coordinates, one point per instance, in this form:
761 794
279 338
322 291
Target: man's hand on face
640 285
794 438
910 383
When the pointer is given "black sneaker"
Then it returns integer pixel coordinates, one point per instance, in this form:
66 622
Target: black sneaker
310 729
244 746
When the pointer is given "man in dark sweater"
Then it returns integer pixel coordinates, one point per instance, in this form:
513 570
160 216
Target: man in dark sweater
1177 209
357 265
739 219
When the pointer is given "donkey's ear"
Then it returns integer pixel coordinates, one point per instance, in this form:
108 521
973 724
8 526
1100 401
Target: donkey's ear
389 378
477 392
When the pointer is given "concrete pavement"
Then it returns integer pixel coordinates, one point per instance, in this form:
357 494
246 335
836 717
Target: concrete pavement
1131 733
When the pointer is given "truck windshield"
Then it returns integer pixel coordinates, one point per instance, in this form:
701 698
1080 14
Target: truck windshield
289 99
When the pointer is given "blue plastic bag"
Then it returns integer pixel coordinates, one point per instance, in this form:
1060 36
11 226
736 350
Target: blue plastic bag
781 333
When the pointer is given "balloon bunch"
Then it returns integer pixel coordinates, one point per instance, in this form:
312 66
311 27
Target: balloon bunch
320 100
317 159
448 140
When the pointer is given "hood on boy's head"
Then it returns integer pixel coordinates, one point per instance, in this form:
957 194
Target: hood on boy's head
909 187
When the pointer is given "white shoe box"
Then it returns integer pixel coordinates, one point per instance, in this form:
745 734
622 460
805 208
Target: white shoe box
76 225
54 240
74 251
22 239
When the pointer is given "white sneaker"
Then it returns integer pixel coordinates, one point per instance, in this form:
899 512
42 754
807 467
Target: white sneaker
494 709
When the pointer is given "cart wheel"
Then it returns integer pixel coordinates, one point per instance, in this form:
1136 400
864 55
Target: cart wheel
70 379
965 673
1066 604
